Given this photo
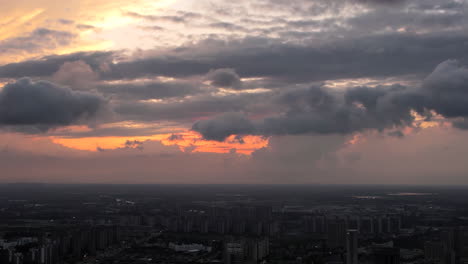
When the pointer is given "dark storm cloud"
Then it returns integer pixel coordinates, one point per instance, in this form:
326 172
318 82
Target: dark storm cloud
322 110
45 105
224 78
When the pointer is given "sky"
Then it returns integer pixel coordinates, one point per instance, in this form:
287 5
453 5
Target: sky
247 91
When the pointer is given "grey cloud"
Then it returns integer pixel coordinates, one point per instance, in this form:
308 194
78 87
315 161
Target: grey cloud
174 137
384 2
317 110
134 144
223 126
49 65
182 17
66 21
45 105
396 133
447 88
238 140
39 39
376 56
227 26
384 55
77 75
461 124
189 108
152 90
225 78
84 27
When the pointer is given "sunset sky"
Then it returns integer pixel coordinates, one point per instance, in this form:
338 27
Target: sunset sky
247 91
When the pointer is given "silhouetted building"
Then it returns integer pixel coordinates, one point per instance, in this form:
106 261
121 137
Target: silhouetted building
245 250
336 233
434 252
352 246
385 255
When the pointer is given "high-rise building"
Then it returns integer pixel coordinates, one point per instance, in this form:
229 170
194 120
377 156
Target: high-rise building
462 244
433 252
351 246
448 238
336 233
245 250
234 252
385 255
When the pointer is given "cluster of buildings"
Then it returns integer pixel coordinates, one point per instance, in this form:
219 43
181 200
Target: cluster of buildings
139 229
60 244
449 247
245 250
237 220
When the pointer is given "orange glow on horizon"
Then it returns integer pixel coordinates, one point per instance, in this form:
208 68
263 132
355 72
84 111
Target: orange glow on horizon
187 142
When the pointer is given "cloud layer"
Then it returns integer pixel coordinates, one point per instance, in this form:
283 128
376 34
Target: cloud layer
324 111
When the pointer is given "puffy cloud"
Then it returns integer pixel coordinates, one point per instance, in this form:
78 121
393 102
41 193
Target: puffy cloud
76 74
43 105
224 78
447 89
223 126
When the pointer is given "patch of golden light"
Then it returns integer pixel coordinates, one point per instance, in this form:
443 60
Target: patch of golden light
252 79
127 124
429 124
95 143
73 129
138 80
87 46
112 27
355 139
369 82
422 122
192 139
402 29
186 141
166 79
14 24
223 91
